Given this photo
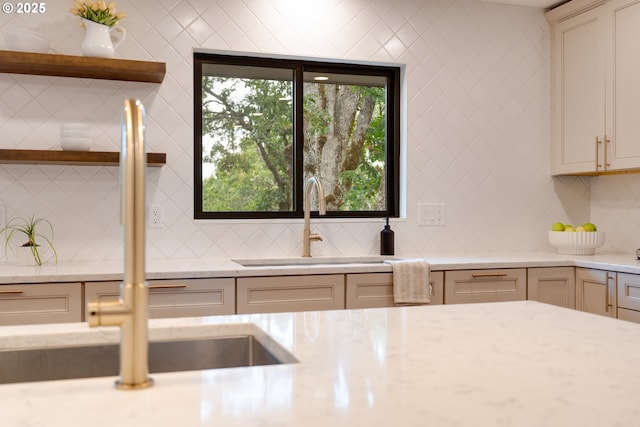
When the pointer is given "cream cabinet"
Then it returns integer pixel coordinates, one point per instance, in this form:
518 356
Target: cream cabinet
595 89
552 285
596 291
628 286
290 293
471 286
175 298
40 303
369 290
578 93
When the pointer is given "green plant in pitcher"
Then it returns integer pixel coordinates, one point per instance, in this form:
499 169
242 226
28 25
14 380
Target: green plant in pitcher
29 226
97 11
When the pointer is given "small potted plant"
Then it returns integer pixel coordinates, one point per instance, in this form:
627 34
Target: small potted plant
98 11
29 252
99 19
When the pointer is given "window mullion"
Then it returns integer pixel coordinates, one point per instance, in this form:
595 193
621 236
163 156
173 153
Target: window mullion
298 123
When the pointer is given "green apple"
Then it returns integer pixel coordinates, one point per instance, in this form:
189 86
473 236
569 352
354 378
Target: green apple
558 226
589 226
569 228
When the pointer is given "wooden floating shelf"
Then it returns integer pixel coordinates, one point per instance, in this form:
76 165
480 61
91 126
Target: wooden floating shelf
47 64
61 157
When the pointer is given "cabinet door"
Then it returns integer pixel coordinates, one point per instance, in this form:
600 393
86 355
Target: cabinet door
623 87
175 298
628 286
290 293
578 94
469 286
595 292
40 303
369 290
554 285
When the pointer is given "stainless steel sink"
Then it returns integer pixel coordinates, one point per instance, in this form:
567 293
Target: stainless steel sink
276 262
44 364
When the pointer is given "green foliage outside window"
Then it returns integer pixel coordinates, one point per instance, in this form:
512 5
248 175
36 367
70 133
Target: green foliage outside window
249 150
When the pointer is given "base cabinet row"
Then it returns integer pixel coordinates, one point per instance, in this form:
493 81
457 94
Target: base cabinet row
67 302
596 291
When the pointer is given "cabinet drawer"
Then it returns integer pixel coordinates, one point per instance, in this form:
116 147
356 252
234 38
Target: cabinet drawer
369 290
470 286
290 293
629 291
175 298
40 303
629 315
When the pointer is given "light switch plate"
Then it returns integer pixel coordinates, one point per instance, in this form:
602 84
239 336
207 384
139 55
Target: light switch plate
3 216
432 214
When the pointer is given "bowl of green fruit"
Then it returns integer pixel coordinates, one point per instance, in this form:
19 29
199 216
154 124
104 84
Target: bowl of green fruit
581 240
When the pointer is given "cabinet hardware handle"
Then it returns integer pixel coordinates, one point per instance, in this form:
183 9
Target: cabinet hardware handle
598 165
152 287
12 291
606 296
606 149
488 274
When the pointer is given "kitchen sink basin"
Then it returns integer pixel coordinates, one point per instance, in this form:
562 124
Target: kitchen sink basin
57 363
275 262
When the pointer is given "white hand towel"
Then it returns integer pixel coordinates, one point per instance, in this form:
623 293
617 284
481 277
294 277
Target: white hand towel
411 281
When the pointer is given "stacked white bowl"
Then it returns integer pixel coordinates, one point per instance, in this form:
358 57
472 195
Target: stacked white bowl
25 40
75 137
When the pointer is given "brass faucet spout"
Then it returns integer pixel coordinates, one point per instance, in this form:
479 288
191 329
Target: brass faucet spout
130 312
322 210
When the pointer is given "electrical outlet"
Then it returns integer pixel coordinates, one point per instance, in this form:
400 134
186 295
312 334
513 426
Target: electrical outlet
432 214
156 216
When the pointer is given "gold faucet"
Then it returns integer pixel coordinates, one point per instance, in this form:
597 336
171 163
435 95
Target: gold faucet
130 312
307 236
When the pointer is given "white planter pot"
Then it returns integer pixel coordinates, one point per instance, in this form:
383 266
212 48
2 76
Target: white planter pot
25 256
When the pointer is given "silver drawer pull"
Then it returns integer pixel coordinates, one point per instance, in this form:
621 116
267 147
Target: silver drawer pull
12 291
152 287
488 274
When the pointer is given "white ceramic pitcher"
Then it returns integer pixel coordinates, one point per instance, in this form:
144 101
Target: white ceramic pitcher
97 40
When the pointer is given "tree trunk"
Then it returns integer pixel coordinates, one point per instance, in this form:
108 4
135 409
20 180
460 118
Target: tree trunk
336 146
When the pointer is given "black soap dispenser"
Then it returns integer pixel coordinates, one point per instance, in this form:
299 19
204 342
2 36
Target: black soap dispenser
386 240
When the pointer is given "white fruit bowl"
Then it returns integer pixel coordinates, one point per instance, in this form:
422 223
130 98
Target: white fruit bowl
576 242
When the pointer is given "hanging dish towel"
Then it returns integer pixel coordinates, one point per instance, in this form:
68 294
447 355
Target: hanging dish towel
411 281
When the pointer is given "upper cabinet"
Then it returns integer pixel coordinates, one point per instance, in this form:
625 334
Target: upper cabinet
595 89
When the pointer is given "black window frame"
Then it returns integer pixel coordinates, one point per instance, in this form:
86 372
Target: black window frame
299 66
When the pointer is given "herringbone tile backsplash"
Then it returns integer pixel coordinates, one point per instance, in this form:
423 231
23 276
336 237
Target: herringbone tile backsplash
477 132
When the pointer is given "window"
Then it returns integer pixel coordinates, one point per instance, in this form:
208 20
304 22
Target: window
264 126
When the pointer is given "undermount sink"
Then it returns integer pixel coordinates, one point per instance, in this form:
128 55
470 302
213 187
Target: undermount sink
59 363
275 262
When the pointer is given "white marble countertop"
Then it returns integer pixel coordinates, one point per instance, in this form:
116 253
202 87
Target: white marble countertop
198 268
501 364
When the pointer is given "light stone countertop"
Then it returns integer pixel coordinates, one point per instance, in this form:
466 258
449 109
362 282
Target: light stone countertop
66 271
502 364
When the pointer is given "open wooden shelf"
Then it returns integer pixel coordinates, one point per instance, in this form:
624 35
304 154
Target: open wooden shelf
47 64
58 157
